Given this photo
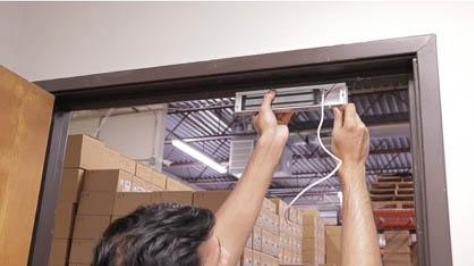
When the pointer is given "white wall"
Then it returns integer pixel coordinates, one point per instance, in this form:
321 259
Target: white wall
139 136
69 39
10 18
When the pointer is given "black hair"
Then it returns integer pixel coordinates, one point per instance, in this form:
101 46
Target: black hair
155 235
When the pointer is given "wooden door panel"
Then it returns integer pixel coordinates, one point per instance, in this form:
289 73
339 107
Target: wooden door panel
25 117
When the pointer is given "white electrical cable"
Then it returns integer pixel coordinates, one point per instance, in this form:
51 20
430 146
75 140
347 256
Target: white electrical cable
103 120
339 161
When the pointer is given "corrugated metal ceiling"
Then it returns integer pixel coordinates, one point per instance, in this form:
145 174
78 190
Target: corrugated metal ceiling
207 126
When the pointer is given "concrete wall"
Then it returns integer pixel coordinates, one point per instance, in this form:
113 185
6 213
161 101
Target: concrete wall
70 39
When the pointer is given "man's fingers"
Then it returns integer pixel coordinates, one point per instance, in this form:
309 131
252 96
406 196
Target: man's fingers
268 99
350 115
337 117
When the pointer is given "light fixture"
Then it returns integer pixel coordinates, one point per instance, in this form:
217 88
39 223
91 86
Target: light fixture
199 156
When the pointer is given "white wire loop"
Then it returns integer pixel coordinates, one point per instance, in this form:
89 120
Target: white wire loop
319 181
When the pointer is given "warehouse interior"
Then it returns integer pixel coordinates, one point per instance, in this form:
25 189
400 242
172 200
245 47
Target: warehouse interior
66 42
147 134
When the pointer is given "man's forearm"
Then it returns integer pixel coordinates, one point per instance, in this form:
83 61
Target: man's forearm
359 235
236 217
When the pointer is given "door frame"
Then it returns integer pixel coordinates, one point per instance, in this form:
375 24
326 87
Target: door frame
415 55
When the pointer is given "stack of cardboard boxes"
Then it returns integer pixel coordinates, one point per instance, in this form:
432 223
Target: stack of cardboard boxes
65 212
100 185
82 154
291 233
98 209
313 238
333 239
262 248
397 248
100 174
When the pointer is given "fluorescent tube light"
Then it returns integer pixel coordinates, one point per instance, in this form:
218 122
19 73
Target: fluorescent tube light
199 156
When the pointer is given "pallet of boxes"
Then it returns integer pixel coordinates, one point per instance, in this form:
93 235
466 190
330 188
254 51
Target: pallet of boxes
395 195
291 234
91 194
100 185
313 238
262 247
397 250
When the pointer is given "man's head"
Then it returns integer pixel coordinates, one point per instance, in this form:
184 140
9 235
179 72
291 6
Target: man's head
160 234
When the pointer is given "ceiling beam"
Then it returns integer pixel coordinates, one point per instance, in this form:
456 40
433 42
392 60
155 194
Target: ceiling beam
295 157
303 176
310 127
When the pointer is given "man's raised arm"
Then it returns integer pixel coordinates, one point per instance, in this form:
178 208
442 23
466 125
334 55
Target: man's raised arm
236 217
351 145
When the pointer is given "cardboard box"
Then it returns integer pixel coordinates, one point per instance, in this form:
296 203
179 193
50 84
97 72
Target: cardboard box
127 202
280 206
127 164
267 260
247 258
111 180
63 221
414 254
309 244
267 239
397 259
299 217
58 254
71 185
143 171
257 256
275 261
149 187
269 205
138 185
293 215
309 257
179 197
275 242
82 251
157 188
333 244
284 226
90 227
175 185
85 152
210 199
96 203
397 241
158 179
310 217
249 243
257 238
273 222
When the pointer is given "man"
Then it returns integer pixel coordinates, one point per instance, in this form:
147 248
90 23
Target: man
166 234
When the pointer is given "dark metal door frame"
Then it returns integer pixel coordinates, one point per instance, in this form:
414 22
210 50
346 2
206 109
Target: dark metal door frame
415 56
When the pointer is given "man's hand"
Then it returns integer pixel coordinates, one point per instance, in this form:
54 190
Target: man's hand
268 124
350 137
350 143
236 217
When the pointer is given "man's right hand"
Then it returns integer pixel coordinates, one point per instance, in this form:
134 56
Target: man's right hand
350 137
350 142
267 122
